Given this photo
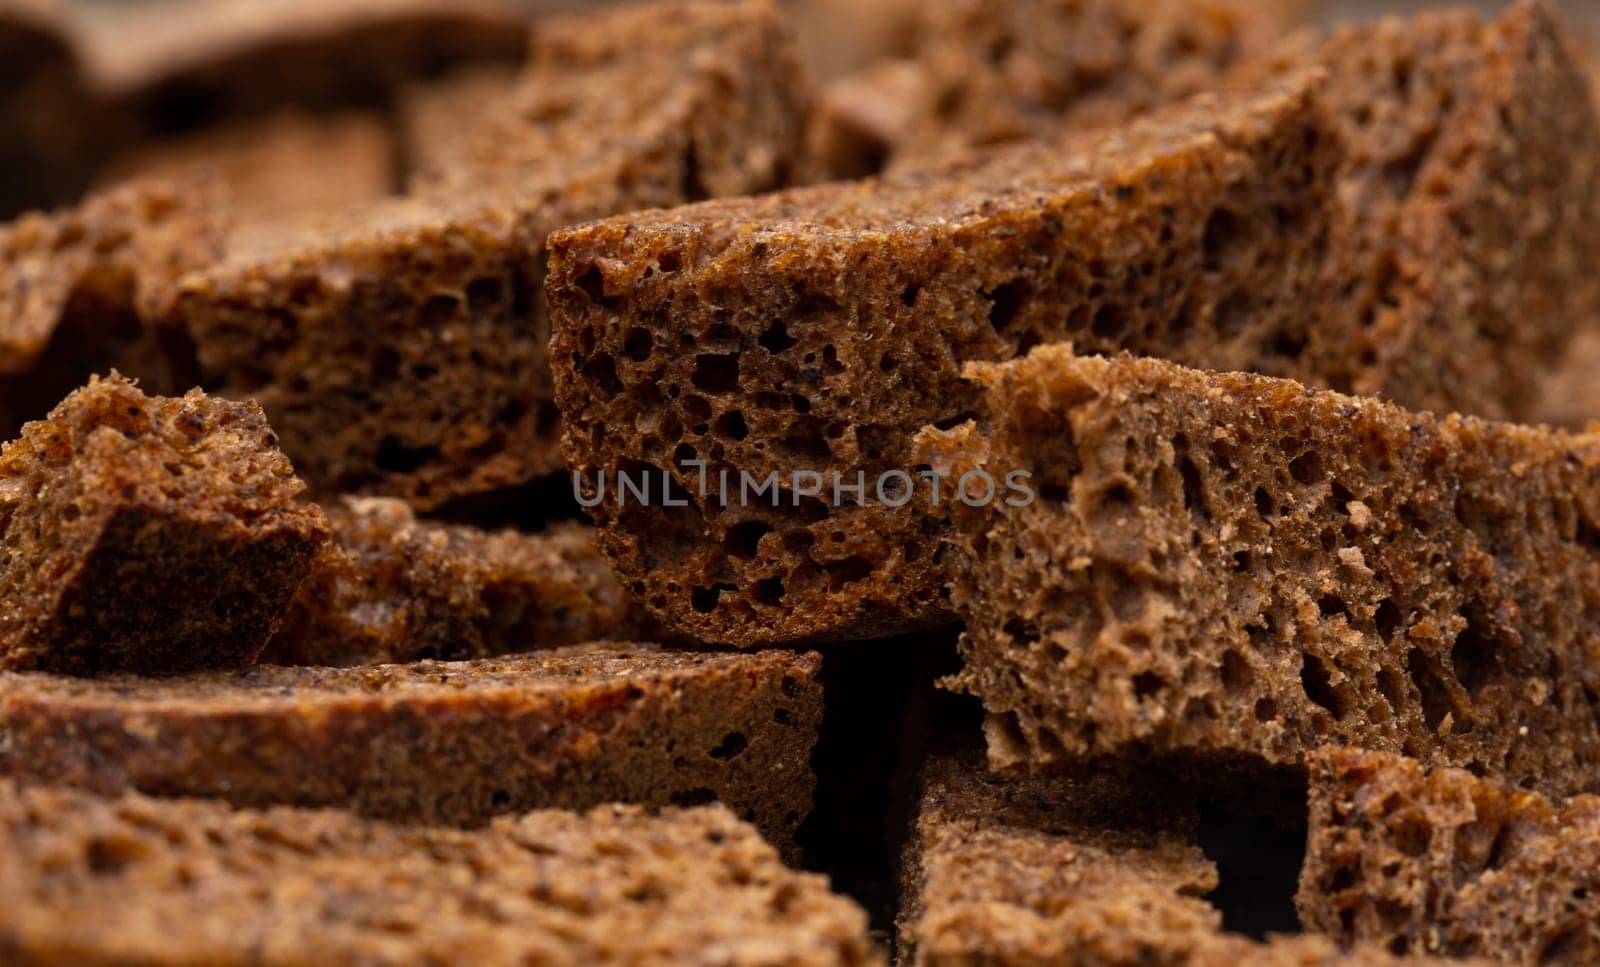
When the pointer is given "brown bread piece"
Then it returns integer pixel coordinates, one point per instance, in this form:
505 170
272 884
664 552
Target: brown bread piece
1096 869
390 588
45 110
162 882
82 290
403 352
1231 566
147 535
178 65
436 119
998 71
289 167
857 120
1449 863
1472 205
816 331
439 742
1572 393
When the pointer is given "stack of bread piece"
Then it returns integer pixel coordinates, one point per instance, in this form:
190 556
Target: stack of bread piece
1167 377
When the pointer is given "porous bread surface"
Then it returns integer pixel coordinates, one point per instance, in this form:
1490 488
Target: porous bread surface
1095 868
402 350
1468 225
82 289
817 330
1234 566
391 588
1083 869
163 882
175 65
856 305
998 71
1448 863
147 534
440 742
45 108
291 166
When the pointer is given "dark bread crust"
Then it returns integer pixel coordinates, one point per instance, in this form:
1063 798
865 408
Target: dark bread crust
391 588
432 742
1235 566
402 351
132 880
148 535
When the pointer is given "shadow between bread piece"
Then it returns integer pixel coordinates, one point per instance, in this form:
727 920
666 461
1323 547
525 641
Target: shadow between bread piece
137 880
440 742
1099 866
147 534
1324 222
1444 862
401 350
1237 567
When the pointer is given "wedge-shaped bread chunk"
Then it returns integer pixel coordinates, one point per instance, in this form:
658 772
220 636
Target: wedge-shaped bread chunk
169 882
1448 863
438 742
391 588
809 332
46 131
83 289
178 65
816 331
147 534
291 166
1237 566
403 350
1096 868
